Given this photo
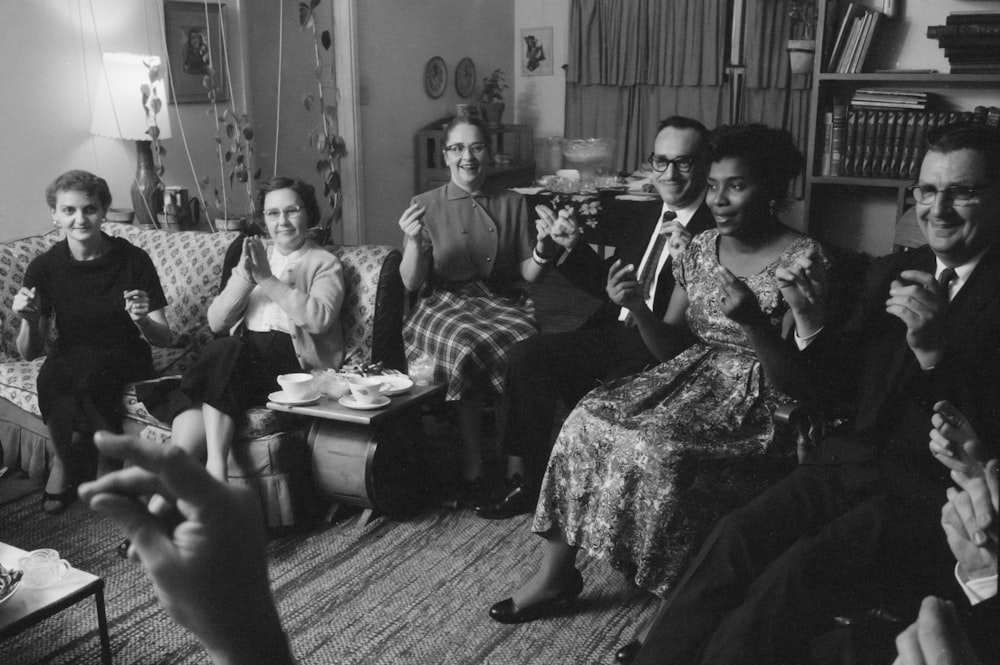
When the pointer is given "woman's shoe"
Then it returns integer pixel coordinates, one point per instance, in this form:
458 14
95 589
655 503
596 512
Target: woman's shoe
54 504
506 611
122 548
627 653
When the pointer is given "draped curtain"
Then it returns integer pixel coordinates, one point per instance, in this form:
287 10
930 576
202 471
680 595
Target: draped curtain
634 62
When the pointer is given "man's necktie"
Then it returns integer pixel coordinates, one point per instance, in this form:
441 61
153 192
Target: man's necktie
649 268
944 281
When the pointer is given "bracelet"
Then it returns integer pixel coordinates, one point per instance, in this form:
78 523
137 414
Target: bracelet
539 259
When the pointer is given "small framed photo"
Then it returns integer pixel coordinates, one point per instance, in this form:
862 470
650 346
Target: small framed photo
536 51
194 51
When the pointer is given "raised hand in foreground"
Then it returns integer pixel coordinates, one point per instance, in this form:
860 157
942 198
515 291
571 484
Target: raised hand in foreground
207 560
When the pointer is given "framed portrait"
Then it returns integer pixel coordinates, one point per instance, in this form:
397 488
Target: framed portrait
194 51
435 77
536 51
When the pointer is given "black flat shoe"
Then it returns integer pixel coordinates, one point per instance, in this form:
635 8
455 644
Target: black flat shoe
517 502
506 611
122 548
628 652
57 502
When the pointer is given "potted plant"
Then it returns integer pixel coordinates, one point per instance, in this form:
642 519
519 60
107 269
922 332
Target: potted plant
491 98
802 44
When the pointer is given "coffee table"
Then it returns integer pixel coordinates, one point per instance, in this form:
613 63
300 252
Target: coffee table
31 606
365 457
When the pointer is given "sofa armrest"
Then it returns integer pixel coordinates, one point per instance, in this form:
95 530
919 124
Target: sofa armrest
387 326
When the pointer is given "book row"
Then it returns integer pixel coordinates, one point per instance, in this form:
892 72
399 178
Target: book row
885 143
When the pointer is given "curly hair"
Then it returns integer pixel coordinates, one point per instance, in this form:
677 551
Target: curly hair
79 181
770 153
478 123
306 192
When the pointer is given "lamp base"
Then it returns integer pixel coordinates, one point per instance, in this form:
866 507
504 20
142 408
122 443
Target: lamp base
147 194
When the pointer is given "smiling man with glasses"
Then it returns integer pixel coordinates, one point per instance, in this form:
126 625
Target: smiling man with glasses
546 368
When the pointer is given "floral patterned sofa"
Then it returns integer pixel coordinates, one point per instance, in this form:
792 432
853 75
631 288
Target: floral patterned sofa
270 450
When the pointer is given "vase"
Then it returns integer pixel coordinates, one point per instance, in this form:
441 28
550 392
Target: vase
492 112
801 53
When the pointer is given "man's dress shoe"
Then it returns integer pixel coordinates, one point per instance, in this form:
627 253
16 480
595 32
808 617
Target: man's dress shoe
628 652
517 502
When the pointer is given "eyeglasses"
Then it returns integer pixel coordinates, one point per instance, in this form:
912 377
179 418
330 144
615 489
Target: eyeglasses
957 196
661 164
291 211
458 149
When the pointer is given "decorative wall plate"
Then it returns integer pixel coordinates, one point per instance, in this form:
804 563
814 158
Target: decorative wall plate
435 77
465 77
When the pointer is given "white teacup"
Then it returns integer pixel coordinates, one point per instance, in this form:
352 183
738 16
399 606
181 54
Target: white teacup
43 568
297 385
366 388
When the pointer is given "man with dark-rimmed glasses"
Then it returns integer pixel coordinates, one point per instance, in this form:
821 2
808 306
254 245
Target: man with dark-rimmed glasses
548 367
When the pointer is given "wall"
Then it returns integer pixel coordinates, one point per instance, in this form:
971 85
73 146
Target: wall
541 100
52 65
396 38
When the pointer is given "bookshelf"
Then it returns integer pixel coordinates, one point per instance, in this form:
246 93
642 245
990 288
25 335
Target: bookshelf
823 193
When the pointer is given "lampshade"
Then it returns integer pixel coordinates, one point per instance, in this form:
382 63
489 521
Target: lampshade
119 111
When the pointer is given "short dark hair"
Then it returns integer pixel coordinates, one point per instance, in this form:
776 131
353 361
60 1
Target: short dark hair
770 153
306 192
462 120
968 135
681 122
79 181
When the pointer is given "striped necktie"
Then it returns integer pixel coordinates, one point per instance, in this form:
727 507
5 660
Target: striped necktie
649 268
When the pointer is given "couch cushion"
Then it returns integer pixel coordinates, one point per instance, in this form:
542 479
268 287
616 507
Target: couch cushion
15 255
17 383
362 272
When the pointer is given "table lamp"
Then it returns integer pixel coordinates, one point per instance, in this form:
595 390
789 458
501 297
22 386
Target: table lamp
124 110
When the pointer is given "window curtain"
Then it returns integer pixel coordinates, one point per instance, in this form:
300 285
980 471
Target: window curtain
773 95
634 62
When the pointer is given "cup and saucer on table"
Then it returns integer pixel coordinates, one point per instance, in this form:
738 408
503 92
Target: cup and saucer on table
366 393
298 389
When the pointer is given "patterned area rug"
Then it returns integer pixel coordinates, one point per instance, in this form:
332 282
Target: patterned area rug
415 591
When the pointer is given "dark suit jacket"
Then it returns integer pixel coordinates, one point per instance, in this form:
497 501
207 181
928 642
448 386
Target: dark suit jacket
589 272
869 359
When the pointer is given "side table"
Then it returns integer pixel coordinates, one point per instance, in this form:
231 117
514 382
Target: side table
31 606
362 457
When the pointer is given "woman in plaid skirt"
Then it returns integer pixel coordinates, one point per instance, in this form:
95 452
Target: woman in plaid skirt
464 247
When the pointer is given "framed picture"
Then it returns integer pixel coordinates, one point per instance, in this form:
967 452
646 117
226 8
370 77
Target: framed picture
194 51
536 51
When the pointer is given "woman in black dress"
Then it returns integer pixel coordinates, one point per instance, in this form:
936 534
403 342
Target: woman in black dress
108 306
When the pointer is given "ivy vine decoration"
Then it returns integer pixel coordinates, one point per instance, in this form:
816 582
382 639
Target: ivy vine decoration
324 137
151 106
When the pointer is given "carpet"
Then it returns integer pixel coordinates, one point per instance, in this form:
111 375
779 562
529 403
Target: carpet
413 591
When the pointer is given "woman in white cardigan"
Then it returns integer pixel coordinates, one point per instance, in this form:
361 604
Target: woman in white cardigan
280 304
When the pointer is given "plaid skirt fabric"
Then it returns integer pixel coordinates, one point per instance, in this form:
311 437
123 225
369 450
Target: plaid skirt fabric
468 331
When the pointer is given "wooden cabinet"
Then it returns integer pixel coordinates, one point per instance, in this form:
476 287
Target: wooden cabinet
514 141
841 200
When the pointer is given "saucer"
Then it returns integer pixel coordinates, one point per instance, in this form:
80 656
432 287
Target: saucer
351 403
280 397
395 384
